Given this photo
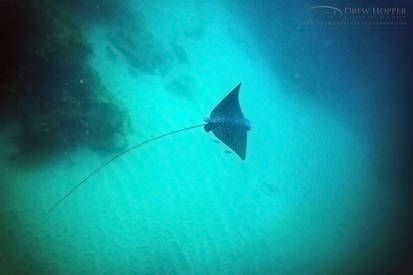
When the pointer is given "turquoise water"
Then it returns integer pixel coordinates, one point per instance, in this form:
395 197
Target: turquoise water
308 199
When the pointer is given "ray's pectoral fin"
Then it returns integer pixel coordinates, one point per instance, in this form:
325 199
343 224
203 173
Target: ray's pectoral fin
234 137
229 124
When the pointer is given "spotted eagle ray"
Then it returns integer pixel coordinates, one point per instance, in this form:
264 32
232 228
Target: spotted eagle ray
226 122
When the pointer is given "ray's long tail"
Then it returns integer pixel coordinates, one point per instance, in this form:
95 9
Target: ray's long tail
74 188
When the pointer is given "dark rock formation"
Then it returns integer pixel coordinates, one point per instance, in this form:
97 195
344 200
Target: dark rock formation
183 85
140 50
47 86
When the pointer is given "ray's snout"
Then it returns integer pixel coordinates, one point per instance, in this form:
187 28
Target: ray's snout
208 125
247 124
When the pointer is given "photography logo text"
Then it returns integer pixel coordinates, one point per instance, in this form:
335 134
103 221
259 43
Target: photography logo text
353 16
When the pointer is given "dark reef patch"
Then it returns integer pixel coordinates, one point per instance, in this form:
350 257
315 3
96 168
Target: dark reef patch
179 52
97 10
183 85
141 51
47 86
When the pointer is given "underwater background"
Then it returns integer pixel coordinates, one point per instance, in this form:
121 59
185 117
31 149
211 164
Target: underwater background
326 185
